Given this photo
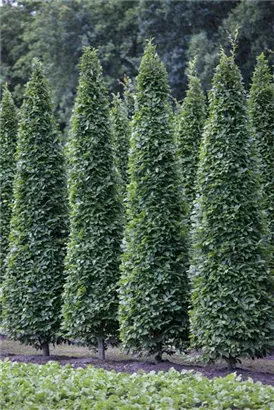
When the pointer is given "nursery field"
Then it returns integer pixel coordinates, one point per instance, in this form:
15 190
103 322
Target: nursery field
137 205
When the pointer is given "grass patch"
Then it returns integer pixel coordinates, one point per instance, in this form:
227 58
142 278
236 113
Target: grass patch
13 347
115 354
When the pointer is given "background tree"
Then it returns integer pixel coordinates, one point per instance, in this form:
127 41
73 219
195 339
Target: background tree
189 128
56 35
232 295
56 31
173 25
60 29
168 24
262 116
255 19
93 258
120 136
16 18
8 137
154 289
34 279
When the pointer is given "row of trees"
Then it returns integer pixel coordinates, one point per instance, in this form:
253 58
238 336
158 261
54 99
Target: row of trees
224 274
56 31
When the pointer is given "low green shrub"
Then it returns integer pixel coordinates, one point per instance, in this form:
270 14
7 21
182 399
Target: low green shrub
47 387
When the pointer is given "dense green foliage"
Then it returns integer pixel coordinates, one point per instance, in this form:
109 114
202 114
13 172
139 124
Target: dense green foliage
92 263
55 387
232 292
8 137
262 116
34 278
189 128
120 137
154 289
56 31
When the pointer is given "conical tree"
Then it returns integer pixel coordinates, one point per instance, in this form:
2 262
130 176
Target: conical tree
8 137
120 137
34 279
189 127
93 258
262 117
154 286
232 295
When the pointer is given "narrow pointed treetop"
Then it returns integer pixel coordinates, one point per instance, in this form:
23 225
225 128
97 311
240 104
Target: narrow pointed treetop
8 137
189 124
93 258
35 277
232 296
120 138
262 117
154 288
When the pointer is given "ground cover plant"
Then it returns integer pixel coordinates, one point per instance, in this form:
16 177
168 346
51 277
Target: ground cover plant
52 387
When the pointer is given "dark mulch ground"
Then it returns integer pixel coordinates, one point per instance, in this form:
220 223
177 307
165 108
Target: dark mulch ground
131 366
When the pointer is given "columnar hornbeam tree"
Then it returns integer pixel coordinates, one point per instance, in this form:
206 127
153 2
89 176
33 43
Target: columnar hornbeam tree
262 117
189 127
120 138
93 256
154 286
35 277
232 294
8 137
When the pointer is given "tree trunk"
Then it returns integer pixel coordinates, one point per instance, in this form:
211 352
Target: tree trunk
101 349
158 358
231 364
45 349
